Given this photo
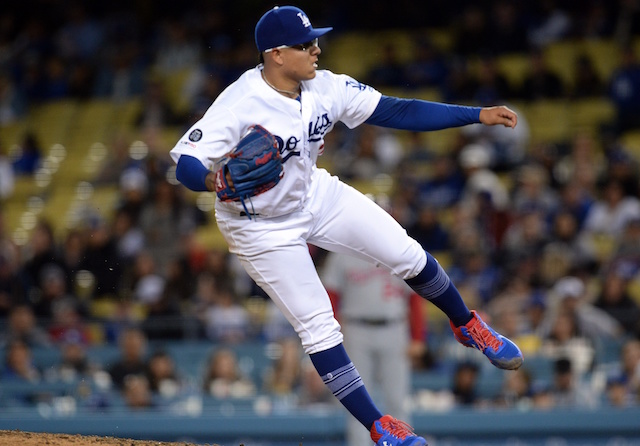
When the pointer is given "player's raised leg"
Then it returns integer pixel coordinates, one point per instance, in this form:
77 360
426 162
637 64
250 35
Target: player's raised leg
353 224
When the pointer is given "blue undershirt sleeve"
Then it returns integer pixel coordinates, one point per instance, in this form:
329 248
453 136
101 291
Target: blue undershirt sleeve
419 115
192 173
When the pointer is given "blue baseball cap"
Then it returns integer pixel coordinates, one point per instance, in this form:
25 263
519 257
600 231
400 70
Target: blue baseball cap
285 25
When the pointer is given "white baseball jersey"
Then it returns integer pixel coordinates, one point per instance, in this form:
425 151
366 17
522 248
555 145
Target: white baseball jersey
299 128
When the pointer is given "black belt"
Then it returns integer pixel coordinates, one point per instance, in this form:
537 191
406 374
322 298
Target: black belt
374 322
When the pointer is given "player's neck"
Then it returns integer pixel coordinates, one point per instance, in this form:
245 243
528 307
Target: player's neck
290 93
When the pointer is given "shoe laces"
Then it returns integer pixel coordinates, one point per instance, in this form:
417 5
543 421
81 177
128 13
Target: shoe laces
397 428
483 337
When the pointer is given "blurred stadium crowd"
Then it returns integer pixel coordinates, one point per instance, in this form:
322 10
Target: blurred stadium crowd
539 230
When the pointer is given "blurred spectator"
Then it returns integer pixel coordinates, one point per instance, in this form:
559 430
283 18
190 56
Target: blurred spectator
122 76
162 375
616 394
596 22
7 178
614 298
493 86
201 89
465 383
516 390
374 152
226 320
134 186
627 23
163 220
583 165
55 82
527 233
81 80
284 375
568 389
533 190
474 268
471 33
218 264
540 82
117 161
313 393
147 284
626 255
611 212
74 364
444 185
389 71
12 103
157 110
12 284
542 397
22 325
576 200
101 258
129 238
28 156
475 160
132 359
137 393
587 82
68 324
80 36
148 288
223 378
627 369
428 68
178 48
52 293
549 23
572 298
71 250
429 231
565 341
624 91
508 31
18 363
459 85
42 254
565 239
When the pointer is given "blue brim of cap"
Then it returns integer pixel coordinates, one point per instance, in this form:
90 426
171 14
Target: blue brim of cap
314 34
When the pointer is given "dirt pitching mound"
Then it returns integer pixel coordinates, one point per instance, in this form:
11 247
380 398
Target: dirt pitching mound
15 437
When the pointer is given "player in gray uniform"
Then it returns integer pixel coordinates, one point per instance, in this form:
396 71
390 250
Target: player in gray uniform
381 317
269 231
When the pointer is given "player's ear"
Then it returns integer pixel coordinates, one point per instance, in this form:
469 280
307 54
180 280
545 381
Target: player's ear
273 57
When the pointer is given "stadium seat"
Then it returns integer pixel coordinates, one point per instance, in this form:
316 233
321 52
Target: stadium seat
549 121
590 114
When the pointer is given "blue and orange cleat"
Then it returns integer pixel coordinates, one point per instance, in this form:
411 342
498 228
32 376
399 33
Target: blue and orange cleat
502 352
387 431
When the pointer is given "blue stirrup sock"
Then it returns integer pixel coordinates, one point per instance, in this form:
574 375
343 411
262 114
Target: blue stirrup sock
434 284
341 377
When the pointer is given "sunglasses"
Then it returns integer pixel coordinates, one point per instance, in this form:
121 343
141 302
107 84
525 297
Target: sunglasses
300 47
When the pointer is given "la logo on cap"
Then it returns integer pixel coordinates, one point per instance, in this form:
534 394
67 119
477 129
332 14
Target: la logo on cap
305 20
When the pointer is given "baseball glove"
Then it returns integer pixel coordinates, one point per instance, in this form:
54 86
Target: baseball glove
254 166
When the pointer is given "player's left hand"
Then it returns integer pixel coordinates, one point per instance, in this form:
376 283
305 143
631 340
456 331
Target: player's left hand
499 115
